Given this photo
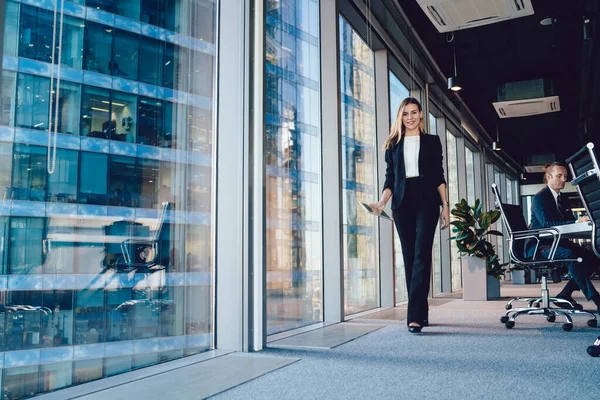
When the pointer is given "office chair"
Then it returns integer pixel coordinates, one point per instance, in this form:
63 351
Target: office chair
150 242
518 233
586 178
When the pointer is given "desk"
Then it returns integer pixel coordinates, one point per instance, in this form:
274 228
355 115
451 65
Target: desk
578 230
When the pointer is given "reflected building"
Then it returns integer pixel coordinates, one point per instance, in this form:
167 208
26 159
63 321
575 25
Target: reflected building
106 250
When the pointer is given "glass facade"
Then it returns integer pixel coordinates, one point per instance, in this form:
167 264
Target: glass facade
107 248
293 165
453 198
470 168
398 92
359 169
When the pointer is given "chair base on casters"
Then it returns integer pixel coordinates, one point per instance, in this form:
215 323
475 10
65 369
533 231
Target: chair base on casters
594 350
551 313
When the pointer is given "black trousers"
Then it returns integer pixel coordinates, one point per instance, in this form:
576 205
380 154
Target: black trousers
416 220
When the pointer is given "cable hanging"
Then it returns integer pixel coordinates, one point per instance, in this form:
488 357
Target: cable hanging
53 122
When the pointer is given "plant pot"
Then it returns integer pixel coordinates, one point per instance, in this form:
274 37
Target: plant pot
522 277
474 277
477 285
493 288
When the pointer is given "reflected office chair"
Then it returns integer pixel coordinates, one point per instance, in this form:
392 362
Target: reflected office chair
586 178
518 233
147 244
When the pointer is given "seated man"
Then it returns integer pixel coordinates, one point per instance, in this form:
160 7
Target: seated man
550 209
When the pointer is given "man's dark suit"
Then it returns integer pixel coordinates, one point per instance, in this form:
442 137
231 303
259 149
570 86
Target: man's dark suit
416 209
544 214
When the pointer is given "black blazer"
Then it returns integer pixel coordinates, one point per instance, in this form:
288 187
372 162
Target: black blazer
431 169
544 214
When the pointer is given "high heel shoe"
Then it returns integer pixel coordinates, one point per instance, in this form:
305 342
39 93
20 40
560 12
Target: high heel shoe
414 329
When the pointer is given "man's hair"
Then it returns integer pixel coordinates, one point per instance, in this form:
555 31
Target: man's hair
550 166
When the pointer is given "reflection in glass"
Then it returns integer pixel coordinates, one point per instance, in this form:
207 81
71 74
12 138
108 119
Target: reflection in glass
33 96
453 198
11 28
470 167
123 116
360 253
69 99
93 175
95 113
151 61
293 167
398 92
21 382
7 98
116 245
98 48
125 54
498 178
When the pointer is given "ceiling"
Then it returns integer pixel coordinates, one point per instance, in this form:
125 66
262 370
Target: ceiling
523 49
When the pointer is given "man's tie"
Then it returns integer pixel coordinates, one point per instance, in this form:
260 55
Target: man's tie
559 205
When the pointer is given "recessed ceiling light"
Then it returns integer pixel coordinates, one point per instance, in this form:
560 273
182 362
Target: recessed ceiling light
547 21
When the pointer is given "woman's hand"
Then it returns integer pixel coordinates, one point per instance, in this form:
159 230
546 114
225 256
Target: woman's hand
380 205
445 216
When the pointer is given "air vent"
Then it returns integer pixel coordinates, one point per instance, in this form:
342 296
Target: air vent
524 108
452 15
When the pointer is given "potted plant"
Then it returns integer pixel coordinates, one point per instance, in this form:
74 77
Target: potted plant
481 269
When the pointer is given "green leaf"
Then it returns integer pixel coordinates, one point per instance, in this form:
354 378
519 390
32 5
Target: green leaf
497 233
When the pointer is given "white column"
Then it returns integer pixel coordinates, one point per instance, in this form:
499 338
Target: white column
231 208
333 275
386 260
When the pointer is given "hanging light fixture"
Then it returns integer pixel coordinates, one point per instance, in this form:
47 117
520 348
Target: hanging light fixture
496 145
453 83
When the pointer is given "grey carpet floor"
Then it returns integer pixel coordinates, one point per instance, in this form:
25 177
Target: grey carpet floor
465 354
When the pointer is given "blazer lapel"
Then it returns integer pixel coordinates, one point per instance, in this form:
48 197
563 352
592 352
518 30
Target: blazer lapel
400 158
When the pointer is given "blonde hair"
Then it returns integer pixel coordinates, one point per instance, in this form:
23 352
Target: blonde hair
398 128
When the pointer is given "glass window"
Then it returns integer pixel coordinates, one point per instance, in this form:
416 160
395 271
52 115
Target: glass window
69 99
56 376
36 33
29 173
359 148
125 54
151 61
148 183
293 178
57 318
398 92
173 67
150 117
509 193
123 116
204 28
202 70
104 5
36 37
7 98
122 182
98 48
432 125
11 28
117 365
62 184
95 112
199 124
470 167
21 382
93 178
26 247
129 9
453 198
33 97
86 370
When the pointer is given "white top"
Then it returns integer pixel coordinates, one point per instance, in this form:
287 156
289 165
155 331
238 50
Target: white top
411 155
